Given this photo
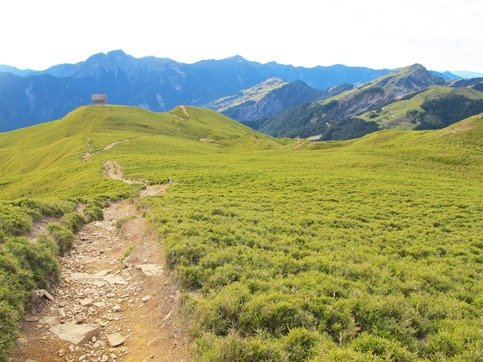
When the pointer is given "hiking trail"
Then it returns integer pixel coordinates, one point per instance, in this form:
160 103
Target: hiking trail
183 109
116 300
87 155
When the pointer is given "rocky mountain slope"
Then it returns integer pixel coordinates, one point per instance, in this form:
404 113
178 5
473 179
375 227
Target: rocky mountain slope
158 84
265 102
433 108
475 83
249 95
334 117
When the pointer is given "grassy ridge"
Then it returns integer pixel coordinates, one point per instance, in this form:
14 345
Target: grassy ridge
358 250
396 115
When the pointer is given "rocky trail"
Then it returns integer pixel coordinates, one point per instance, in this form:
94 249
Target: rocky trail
87 155
115 301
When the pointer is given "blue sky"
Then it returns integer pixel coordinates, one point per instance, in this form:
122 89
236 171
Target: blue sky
442 35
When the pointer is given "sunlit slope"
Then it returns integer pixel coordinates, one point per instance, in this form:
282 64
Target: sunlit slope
402 114
364 250
39 159
465 137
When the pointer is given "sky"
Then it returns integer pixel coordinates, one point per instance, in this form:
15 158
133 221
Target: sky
440 34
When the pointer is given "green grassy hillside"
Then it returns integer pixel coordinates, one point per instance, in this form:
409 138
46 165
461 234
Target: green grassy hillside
403 114
360 250
47 159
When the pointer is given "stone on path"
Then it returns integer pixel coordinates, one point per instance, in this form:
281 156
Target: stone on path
80 318
62 313
145 298
115 339
99 279
85 302
75 333
48 320
42 293
150 270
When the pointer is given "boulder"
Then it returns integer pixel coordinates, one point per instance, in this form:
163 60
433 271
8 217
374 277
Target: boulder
145 298
85 302
39 293
150 270
75 333
115 339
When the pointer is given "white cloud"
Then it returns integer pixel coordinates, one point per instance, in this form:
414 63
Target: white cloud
444 34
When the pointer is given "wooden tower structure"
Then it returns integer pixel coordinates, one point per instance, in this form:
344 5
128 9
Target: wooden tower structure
99 99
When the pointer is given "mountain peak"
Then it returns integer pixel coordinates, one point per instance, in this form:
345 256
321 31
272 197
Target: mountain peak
407 79
416 66
420 72
113 54
117 52
411 69
236 58
273 81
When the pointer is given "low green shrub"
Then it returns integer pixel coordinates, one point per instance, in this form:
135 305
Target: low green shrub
72 221
274 313
342 354
102 201
211 348
44 208
387 349
93 212
15 281
62 236
49 243
35 257
9 318
23 267
458 340
14 220
301 344
221 313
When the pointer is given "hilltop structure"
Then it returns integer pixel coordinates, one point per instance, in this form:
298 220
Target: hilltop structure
99 99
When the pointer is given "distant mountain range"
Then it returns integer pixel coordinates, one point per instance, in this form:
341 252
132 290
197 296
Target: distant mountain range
466 74
334 102
159 84
379 104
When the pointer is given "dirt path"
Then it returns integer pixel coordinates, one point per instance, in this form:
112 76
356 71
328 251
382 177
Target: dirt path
183 108
87 155
114 289
113 171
